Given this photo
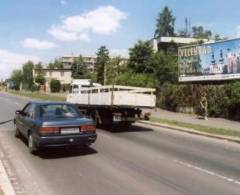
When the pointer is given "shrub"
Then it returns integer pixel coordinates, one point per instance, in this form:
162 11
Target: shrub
34 88
66 87
223 99
135 79
233 101
167 96
55 85
40 80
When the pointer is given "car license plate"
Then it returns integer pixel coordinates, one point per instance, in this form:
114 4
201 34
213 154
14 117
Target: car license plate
117 118
69 131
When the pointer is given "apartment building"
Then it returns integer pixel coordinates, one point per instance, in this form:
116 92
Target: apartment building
63 75
89 60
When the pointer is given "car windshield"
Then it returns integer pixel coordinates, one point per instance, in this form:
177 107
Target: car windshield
58 111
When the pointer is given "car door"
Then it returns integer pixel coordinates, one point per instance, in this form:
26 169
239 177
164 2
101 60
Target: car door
20 117
29 119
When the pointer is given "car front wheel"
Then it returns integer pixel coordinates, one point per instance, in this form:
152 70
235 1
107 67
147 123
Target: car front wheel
16 131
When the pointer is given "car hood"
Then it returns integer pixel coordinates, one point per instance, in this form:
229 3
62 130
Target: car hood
62 122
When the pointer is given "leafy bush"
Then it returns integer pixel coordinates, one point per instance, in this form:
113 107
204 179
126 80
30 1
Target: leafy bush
233 100
40 79
35 88
55 85
167 96
135 79
66 87
223 100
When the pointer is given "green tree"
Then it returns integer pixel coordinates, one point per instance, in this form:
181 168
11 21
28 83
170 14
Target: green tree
140 57
201 33
165 23
130 78
57 64
101 64
39 79
38 66
50 65
79 69
28 75
55 85
113 69
165 68
17 78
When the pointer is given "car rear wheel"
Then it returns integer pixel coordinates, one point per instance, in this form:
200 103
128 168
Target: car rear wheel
31 144
16 131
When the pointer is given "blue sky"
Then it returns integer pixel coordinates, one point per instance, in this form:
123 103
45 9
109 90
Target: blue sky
45 29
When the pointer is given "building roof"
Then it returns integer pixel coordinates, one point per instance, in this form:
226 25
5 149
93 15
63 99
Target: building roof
73 56
181 40
54 69
42 102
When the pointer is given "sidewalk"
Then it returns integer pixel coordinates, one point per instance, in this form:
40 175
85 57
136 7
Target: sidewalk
6 179
193 119
6 187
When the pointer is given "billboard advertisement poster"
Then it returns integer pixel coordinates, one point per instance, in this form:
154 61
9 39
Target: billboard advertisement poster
210 61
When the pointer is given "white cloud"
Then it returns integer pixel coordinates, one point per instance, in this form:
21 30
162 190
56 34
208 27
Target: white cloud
63 35
103 20
37 44
10 61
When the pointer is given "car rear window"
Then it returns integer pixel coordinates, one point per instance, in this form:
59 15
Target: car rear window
59 111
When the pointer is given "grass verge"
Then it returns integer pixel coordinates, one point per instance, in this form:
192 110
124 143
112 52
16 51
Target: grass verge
202 128
38 95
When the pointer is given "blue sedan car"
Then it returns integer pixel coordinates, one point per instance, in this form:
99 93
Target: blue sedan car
53 124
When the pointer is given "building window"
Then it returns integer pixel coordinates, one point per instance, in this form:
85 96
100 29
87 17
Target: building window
62 74
50 73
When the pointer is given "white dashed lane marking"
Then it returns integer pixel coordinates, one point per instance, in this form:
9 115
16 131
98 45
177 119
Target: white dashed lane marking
207 172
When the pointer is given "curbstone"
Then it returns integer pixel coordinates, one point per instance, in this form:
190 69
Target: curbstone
6 187
192 131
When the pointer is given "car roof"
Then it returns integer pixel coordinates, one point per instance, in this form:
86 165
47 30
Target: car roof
48 102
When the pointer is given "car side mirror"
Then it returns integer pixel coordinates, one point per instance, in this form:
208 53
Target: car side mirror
19 112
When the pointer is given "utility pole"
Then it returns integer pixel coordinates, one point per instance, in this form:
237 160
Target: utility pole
105 74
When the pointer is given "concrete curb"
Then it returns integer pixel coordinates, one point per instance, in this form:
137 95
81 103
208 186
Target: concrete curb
192 131
6 186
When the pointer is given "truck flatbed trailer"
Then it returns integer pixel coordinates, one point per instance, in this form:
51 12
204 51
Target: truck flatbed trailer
113 104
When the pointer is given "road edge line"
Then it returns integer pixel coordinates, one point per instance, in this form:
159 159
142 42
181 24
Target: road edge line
191 131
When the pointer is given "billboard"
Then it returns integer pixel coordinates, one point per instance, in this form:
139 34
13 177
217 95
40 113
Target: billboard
210 61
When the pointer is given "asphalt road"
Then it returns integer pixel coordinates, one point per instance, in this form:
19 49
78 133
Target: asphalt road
142 160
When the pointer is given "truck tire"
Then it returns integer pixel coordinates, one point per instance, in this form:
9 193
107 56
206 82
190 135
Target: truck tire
127 124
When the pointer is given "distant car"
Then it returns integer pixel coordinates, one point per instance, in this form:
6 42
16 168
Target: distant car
53 124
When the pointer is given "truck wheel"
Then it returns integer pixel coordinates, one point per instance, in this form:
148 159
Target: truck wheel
127 125
31 144
97 119
16 131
